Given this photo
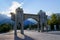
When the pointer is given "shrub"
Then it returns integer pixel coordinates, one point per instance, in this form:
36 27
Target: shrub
5 27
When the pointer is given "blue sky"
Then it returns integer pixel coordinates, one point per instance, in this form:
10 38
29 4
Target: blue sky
30 6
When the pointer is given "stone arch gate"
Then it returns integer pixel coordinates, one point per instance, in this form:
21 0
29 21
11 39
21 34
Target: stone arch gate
19 17
35 17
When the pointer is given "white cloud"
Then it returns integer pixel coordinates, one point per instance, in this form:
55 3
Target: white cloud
7 13
16 5
48 13
12 8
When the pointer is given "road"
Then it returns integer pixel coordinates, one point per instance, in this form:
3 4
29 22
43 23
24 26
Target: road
31 35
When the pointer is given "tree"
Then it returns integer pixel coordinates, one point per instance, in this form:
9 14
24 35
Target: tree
54 19
49 22
5 27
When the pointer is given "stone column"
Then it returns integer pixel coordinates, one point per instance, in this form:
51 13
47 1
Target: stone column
15 26
19 13
22 30
42 28
54 27
22 25
46 26
38 27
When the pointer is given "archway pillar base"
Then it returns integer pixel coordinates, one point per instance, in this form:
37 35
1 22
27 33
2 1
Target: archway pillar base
42 28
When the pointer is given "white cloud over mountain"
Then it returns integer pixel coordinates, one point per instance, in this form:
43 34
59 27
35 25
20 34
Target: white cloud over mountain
11 8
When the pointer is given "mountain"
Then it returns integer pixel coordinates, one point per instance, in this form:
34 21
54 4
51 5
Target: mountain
30 21
58 14
2 17
5 19
27 22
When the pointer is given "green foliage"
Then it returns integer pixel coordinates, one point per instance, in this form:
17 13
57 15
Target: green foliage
54 19
49 22
5 27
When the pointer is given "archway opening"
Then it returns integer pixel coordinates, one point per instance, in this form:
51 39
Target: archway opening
30 24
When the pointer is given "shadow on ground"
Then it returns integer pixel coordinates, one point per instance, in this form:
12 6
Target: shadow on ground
25 38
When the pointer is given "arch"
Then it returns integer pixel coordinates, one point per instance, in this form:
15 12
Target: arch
20 17
31 20
31 23
33 16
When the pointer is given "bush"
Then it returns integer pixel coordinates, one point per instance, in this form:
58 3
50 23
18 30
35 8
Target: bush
5 28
